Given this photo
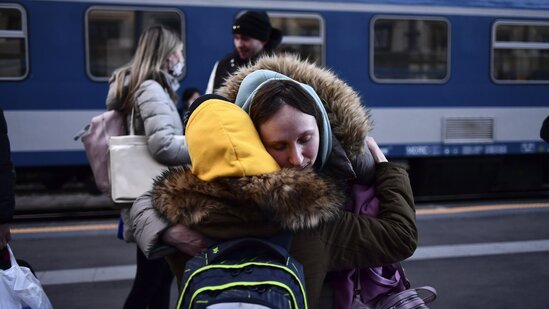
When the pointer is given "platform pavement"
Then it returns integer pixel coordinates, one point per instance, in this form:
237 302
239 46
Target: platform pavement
93 269
68 201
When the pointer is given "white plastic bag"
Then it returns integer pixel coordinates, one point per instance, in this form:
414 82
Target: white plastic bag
19 288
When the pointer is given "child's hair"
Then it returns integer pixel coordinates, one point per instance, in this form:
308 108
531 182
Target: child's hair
187 94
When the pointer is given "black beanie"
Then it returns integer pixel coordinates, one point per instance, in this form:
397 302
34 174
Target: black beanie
255 25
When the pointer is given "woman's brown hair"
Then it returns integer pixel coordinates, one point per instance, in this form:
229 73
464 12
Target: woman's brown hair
271 96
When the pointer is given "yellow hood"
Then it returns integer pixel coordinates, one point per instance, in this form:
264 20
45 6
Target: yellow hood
223 142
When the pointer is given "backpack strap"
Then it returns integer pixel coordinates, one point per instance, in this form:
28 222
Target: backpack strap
222 250
283 239
357 286
356 278
430 291
403 277
132 120
278 244
408 298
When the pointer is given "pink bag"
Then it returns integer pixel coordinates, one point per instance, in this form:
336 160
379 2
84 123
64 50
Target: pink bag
96 143
407 299
384 287
373 281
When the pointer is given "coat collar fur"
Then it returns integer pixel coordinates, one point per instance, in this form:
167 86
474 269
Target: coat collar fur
293 199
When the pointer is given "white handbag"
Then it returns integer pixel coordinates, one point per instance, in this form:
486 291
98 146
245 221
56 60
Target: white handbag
132 169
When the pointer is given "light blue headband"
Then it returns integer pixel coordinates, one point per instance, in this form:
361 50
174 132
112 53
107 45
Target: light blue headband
254 81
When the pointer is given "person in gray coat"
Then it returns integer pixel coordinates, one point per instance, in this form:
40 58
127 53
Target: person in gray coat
145 90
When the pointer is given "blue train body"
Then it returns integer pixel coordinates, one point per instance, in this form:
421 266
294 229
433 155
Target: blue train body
449 83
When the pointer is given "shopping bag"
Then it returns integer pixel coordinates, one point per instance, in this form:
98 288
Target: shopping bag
19 288
132 168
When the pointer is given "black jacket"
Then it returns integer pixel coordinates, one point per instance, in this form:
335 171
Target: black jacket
7 195
232 62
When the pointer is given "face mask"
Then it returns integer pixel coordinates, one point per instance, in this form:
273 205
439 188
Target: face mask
177 69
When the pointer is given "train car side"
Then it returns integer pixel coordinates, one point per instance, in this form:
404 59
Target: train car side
458 93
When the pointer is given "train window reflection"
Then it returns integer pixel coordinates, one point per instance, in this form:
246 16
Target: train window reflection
113 34
13 42
520 52
409 49
10 19
303 34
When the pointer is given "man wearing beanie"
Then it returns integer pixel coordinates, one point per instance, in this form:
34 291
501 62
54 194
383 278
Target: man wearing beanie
253 36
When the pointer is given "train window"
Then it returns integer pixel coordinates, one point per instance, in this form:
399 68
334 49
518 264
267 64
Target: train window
113 34
409 49
303 34
520 52
13 42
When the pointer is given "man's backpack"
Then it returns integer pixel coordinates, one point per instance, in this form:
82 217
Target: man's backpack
244 273
95 137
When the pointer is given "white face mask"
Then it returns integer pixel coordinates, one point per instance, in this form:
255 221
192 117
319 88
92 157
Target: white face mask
177 69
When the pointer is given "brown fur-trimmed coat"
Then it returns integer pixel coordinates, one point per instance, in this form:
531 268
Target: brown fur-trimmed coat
293 199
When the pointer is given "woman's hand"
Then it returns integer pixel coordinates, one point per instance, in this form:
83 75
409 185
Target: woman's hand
184 239
374 149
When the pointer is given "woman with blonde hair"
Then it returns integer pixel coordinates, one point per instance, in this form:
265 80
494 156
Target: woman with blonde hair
145 90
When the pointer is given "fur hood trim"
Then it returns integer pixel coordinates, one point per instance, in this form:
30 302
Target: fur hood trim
295 199
349 119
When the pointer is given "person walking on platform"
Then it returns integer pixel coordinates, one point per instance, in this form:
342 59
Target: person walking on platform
253 36
145 90
7 183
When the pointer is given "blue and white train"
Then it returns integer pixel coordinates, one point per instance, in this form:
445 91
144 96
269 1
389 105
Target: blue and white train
458 89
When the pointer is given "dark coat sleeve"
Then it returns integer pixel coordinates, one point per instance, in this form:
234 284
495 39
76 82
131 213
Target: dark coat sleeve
362 241
7 194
